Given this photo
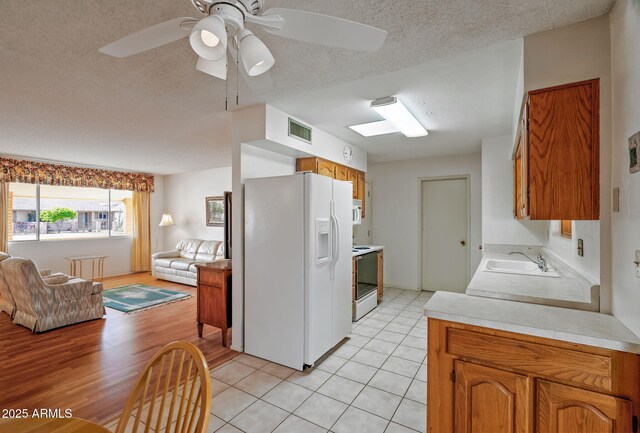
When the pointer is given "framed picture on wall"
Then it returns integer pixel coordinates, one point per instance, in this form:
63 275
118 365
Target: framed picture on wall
214 207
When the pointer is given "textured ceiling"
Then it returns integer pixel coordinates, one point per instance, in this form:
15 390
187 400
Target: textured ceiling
61 99
460 99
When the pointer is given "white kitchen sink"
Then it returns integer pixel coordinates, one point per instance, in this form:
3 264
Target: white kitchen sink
518 267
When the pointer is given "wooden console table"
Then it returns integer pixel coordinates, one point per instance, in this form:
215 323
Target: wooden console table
95 260
214 296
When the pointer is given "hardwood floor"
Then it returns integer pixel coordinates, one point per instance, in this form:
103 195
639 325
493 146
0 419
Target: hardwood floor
91 367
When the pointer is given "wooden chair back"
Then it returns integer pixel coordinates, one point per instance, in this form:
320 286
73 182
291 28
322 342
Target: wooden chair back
172 395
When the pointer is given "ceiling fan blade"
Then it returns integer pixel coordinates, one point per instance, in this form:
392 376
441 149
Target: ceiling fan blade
151 37
216 68
326 30
259 84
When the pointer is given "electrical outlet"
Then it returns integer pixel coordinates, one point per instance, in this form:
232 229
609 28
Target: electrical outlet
580 247
637 263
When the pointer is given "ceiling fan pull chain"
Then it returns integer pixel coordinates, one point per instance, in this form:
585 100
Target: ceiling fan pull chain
237 79
226 92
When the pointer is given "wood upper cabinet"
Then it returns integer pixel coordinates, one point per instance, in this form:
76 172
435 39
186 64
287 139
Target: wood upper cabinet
353 178
490 400
326 168
338 172
565 409
361 187
560 148
487 380
342 172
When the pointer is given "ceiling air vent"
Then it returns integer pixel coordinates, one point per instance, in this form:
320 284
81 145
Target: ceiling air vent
299 131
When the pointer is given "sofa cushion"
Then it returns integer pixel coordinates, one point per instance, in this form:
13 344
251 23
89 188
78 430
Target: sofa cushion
207 251
182 264
188 248
164 263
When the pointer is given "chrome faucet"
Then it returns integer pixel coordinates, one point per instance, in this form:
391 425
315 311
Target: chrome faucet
541 262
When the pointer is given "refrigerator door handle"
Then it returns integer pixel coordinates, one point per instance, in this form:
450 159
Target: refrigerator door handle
334 240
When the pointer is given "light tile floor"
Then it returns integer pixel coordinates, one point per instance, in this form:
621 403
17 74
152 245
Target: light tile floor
375 382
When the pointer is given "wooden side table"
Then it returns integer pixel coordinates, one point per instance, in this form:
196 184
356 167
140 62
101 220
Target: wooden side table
214 296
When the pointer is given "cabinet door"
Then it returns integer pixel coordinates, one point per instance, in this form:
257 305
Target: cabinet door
326 168
563 152
361 190
564 409
307 164
342 172
353 178
488 400
517 182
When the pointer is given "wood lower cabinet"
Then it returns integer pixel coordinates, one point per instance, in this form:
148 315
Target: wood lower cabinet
558 154
214 297
490 400
566 409
484 380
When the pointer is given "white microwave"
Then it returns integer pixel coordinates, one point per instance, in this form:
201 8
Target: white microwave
356 214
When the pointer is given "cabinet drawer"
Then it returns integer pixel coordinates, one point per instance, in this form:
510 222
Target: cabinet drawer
553 362
211 278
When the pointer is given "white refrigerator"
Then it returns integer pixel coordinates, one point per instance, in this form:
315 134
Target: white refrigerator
298 267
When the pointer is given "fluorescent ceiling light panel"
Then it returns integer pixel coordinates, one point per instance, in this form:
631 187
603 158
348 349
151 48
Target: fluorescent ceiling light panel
372 129
394 111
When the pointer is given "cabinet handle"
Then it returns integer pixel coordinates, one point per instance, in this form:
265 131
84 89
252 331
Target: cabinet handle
463 243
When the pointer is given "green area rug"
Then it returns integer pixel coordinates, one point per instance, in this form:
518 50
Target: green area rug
135 297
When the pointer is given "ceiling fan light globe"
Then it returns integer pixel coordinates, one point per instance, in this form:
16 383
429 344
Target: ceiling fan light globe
209 38
256 57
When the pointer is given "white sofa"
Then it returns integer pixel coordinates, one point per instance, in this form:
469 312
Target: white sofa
179 265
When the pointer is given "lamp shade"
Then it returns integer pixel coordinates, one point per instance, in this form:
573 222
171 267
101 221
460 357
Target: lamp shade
167 220
209 38
256 57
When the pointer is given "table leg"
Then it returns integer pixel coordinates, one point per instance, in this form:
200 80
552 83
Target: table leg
224 335
200 326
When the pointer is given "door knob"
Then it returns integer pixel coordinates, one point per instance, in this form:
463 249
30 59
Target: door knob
463 243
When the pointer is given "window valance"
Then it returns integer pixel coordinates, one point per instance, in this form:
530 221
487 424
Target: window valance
24 171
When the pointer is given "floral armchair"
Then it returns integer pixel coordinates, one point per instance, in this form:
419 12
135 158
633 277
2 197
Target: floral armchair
43 305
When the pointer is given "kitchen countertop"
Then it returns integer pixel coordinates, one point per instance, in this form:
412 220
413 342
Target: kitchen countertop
574 326
371 249
570 290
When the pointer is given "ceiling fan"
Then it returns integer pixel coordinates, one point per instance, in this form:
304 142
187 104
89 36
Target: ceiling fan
225 21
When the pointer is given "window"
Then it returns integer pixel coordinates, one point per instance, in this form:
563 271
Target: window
43 212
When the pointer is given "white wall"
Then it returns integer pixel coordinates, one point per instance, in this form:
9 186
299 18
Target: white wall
322 144
50 254
184 199
567 249
498 224
573 53
396 201
625 37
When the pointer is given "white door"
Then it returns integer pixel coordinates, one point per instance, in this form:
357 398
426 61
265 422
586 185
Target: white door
445 223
